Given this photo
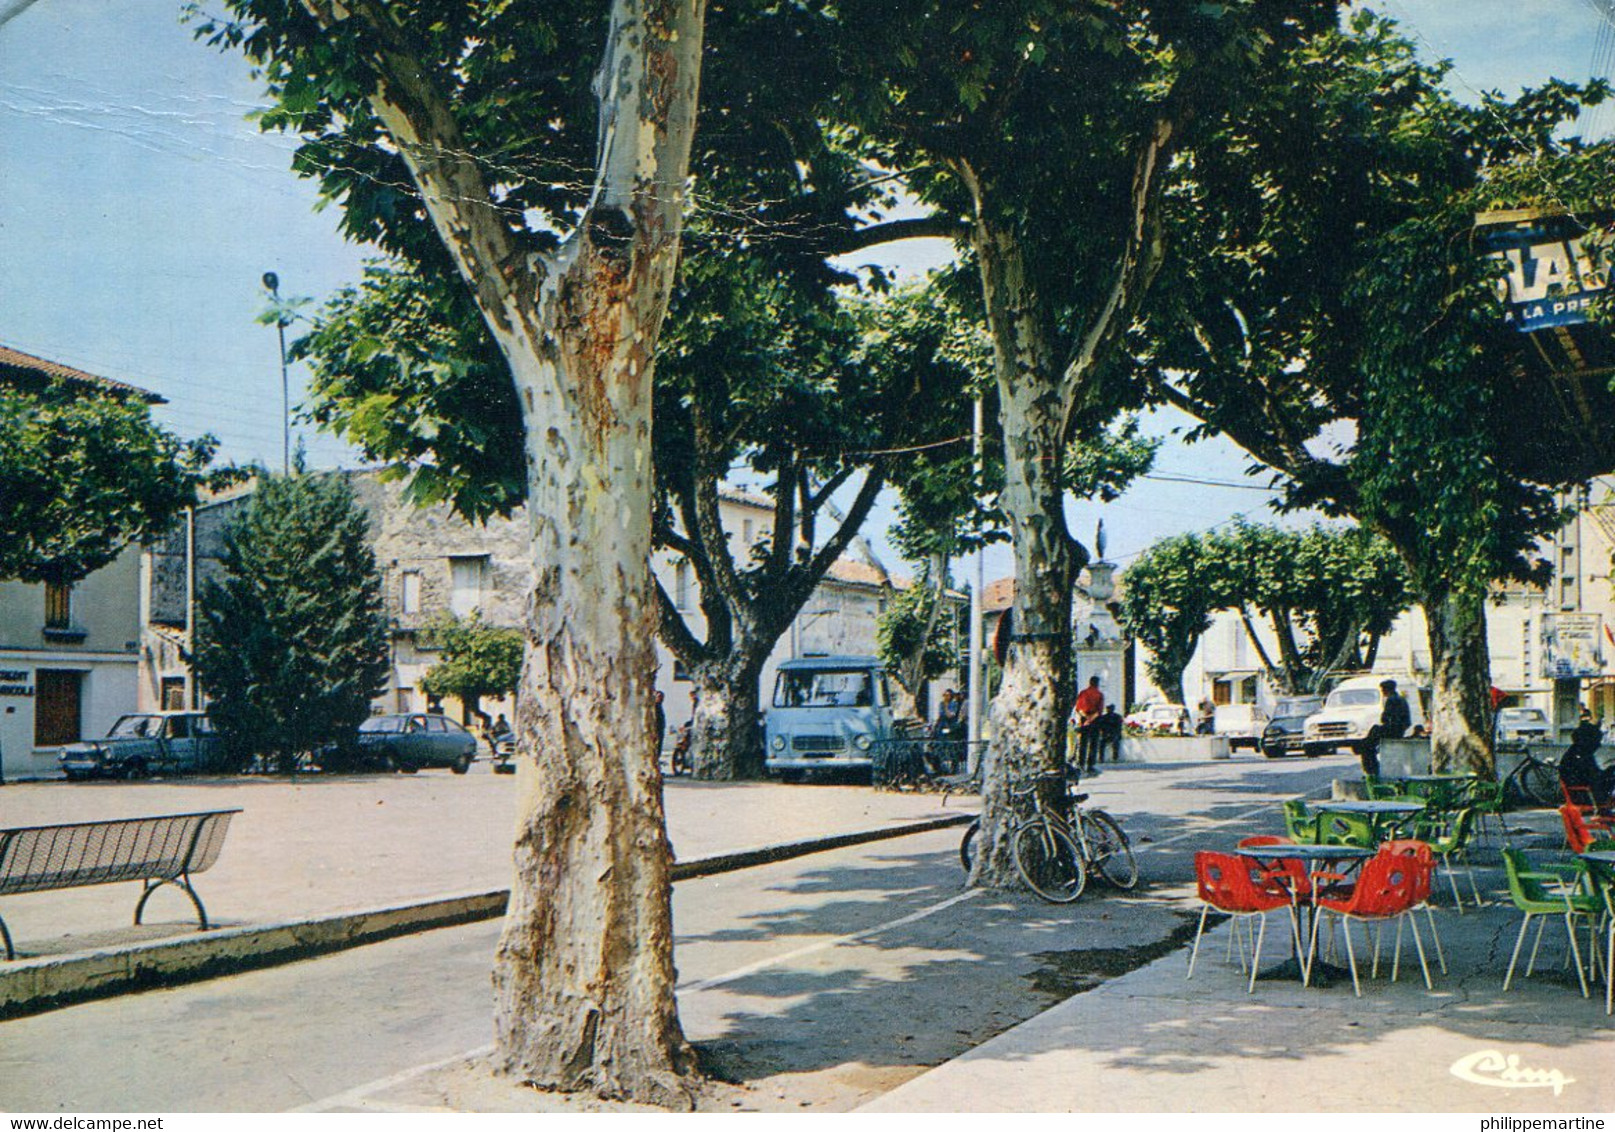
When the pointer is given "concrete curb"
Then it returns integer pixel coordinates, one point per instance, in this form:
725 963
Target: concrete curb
33 986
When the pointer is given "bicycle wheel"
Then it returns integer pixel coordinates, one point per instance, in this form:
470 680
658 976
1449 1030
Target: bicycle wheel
1539 784
1108 850
1049 862
967 847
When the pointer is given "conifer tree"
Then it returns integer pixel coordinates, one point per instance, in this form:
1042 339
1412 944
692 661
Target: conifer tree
292 645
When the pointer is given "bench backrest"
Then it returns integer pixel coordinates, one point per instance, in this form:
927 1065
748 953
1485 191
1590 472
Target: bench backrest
46 857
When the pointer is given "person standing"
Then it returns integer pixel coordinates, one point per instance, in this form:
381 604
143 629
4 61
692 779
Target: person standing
1085 715
1394 721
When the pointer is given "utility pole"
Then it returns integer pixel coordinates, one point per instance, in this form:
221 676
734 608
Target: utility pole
977 699
272 283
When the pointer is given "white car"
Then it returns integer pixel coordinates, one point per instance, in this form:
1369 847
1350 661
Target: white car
1352 709
1171 718
1522 725
1243 724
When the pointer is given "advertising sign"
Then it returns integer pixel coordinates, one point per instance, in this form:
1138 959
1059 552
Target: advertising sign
1558 264
1570 645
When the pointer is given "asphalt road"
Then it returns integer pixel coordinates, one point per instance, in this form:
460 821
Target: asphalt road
820 982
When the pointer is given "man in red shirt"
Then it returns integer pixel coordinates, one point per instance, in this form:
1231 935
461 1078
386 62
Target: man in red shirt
1085 716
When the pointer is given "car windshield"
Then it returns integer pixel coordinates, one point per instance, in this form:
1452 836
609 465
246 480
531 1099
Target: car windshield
383 723
1521 715
1354 697
814 688
132 727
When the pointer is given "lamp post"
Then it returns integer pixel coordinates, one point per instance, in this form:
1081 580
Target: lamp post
272 284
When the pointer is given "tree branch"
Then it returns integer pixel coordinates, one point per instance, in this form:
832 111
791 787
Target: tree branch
1141 258
421 121
674 631
935 225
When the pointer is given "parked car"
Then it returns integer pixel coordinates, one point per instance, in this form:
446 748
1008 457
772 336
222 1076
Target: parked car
1241 724
1354 707
1172 719
828 712
146 743
416 741
1517 725
1285 733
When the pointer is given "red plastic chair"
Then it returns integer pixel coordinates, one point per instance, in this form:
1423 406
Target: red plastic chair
1424 859
1241 888
1293 874
1583 798
1387 889
1579 827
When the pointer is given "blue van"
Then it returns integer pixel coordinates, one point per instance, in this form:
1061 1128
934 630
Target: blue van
827 713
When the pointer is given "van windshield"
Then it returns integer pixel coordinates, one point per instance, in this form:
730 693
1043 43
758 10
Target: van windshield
823 687
1354 697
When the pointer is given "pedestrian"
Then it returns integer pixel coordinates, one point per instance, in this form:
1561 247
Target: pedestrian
1394 721
1579 766
1205 718
1110 734
501 727
1085 714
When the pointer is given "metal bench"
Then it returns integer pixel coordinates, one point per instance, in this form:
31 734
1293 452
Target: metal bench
155 851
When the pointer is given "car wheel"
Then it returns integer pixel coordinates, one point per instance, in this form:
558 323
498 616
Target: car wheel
461 764
137 769
1314 750
1272 753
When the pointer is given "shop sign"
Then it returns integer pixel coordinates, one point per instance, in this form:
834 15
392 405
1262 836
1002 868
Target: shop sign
1570 645
16 682
1558 265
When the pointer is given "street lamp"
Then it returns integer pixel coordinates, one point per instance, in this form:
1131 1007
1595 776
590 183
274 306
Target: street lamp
272 284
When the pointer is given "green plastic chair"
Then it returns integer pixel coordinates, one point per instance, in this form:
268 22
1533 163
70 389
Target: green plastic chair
1300 822
1544 891
1377 789
1486 799
1346 829
1448 836
1601 878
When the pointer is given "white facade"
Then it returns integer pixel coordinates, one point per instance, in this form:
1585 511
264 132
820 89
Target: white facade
68 664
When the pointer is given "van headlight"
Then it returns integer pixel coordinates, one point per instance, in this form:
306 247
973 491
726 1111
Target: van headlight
862 742
779 743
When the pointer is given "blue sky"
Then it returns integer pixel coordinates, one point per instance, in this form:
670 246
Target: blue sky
139 208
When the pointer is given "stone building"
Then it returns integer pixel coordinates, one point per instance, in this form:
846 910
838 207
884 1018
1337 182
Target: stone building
68 653
434 562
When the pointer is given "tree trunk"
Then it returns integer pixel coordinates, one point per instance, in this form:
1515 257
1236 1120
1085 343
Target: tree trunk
1029 712
1460 710
724 740
583 976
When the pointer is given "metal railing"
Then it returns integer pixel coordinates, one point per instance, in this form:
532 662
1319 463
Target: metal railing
922 763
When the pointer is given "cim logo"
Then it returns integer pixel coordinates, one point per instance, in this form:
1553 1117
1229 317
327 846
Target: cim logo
1492 1067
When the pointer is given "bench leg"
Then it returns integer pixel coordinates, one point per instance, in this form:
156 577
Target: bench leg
5 934
182 883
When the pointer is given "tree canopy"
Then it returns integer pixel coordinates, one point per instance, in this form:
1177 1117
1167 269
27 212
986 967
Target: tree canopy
477 660
83 476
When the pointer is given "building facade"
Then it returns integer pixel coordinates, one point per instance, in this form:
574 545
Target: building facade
69 654
435 563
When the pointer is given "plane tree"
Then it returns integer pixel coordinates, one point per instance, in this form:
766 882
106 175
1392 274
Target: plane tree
540 157
1329 313
1050 129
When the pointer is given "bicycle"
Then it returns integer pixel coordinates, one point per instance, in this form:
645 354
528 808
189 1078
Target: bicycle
1054 855
1533 783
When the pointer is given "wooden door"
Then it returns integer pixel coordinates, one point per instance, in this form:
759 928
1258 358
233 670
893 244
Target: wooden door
57 704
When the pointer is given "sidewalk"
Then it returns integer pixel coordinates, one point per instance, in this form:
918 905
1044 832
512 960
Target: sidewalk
306 849
1151 1040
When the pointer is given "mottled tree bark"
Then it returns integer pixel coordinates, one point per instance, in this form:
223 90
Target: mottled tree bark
584 973
1461 709
1029 712
724 741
